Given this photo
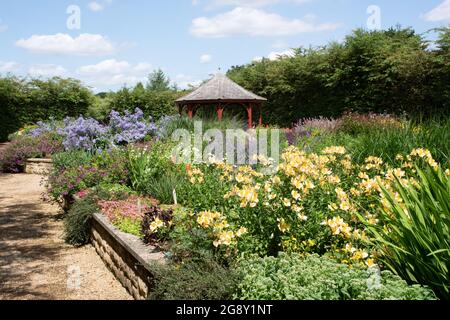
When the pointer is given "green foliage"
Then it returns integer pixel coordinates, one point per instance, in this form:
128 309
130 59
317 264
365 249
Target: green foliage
364 139
149 164
379 71
156 99
416 244
70 159
128 225
158 81
291 277
25 102
207 195
203 279
76 222
162 186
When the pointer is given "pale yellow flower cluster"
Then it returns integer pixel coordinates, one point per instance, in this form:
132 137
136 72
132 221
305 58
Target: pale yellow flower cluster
220 228
426 155
373 163
334 150
196 176
339 227
156 225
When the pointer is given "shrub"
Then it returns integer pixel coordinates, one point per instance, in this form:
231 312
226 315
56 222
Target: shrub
76 222
84 134
148 163
290 277
156 225
132 127
70 159
14 157
193 280
414 234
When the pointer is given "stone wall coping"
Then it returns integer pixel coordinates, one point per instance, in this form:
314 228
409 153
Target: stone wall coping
144 254
39 160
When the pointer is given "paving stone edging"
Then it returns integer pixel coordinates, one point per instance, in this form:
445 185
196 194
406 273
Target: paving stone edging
126 256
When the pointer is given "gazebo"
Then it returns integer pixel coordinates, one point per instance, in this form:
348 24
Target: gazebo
221 92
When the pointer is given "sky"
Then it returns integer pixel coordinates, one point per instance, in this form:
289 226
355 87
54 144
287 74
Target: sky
111 43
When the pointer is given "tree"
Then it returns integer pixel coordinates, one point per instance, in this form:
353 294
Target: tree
158 81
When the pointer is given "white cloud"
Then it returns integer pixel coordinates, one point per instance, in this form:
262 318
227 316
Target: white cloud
8 66
3 27
253 22
84 45
185 82
99 5
440 13
205 58
252 3
275 55
46 71
95 6
113 72
279 55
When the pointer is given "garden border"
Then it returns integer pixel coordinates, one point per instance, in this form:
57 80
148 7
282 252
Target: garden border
125 255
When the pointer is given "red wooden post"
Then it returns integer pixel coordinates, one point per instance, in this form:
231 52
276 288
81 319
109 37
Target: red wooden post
191 112
250 116
220 112
260 116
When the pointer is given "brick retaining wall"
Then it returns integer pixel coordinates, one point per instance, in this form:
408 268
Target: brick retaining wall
38 166
126 256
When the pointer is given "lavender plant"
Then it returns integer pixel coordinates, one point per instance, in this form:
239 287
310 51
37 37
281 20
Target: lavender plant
42 128
132 127
84 134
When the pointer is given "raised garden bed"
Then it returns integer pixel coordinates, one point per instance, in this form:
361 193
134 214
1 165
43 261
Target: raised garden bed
38 166
126 256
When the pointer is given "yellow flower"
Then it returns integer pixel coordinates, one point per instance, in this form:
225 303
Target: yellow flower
287 203
283 225
447 172
334 179
297 208
206 218
224 238
296 195
338 227
350 248
363 175
242 231
334 150
333 206
276 180
155 225
302 217
370 262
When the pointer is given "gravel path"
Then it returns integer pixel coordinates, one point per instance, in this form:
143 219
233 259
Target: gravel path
35 263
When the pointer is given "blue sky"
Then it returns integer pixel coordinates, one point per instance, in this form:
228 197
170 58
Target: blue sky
120 41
